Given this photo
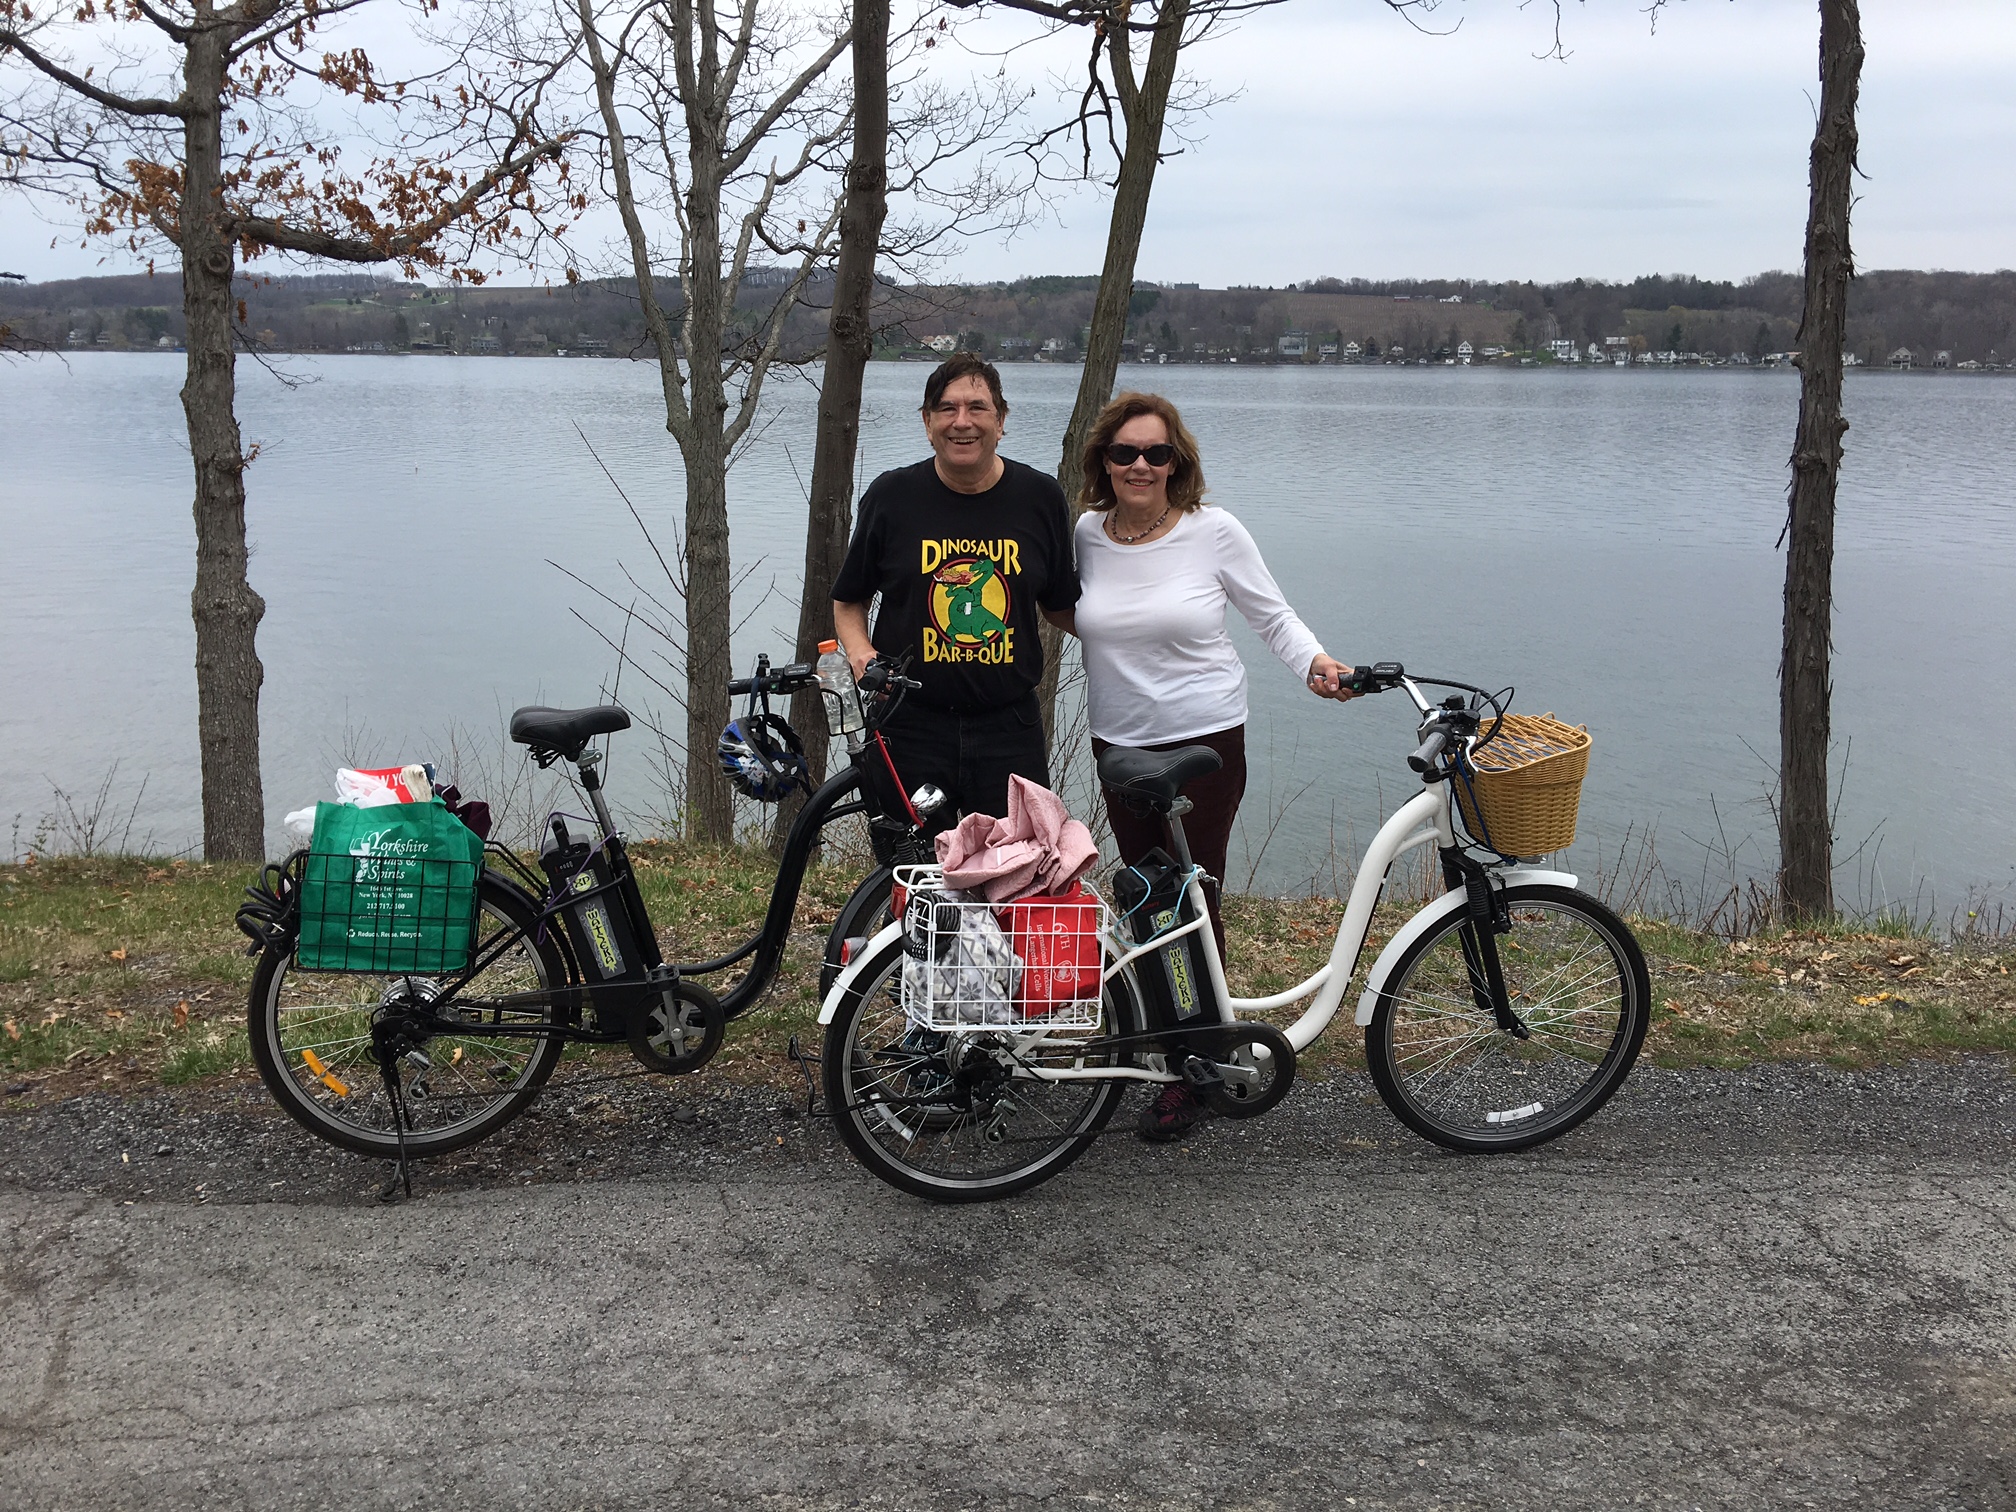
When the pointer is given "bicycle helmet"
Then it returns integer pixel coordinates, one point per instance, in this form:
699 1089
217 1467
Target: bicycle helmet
762 756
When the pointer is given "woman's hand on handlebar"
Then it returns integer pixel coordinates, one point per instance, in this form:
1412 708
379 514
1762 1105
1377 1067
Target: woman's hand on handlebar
1327 677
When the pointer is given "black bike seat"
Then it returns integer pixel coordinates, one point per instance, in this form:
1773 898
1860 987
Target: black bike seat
566 730
1155 776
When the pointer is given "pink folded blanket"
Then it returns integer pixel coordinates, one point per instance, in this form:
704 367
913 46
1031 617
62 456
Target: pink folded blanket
1038 849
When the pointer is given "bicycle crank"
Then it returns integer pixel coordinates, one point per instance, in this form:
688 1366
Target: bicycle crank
680 1031
1249 1070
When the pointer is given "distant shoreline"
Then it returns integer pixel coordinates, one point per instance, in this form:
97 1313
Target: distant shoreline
1255 362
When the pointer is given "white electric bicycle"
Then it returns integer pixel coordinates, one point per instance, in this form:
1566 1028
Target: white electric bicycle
1502 1014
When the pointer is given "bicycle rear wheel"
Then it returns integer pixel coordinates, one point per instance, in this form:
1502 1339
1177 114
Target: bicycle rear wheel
961 1117
1576 979
311 1039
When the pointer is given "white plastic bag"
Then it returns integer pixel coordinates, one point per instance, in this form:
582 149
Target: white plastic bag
970 978
376 785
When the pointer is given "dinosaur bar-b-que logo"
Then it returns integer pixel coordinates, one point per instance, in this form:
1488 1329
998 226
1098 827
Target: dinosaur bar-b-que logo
969 601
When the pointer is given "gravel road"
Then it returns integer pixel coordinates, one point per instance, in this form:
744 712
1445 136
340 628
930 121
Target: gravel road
1784 1287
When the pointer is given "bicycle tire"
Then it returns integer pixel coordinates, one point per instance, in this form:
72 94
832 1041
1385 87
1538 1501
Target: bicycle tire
475 1085
1575 976
863 916
876 1066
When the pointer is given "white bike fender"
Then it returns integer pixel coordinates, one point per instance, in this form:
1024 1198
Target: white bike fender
1427 919
891 931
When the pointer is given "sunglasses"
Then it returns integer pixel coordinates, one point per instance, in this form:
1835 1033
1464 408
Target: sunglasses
1120 454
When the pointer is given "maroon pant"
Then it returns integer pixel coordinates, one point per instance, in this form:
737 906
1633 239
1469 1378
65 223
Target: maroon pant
1208 826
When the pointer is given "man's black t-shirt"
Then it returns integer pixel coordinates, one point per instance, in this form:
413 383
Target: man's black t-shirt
961 576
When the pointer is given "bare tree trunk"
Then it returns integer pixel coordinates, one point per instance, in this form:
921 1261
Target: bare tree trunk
1144 107
1805 836
226 610
710 802
849 342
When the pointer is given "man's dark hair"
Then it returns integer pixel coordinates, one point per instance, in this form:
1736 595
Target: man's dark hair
963 365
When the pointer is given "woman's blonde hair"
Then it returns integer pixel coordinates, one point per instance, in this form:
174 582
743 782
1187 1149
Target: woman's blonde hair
1186 476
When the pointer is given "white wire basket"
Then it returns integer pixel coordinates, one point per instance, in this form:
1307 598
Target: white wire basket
1033 963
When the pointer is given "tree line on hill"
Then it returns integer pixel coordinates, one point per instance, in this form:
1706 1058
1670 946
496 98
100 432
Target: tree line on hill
1972 315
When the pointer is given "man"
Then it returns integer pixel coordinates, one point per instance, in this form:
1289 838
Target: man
965 550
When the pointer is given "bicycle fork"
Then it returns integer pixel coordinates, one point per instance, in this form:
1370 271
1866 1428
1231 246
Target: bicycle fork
1485 918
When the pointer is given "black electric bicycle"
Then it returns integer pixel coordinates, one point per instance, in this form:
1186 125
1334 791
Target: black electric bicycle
409 1064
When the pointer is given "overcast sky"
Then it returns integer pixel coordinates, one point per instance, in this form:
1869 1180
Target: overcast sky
1360 147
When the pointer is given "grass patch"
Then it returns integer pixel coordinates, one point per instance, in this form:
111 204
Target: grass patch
130 972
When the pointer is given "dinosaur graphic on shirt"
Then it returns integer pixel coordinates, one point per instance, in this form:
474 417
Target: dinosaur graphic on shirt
969 602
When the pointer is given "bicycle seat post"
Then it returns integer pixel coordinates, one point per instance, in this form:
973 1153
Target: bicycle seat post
591 783
1177 810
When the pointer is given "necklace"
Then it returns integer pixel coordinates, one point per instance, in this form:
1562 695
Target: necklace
1143 535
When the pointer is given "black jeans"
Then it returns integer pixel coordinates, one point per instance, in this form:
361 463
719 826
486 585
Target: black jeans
1208 827
971 756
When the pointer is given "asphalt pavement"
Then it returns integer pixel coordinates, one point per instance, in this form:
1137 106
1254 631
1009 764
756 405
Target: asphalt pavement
1788 1287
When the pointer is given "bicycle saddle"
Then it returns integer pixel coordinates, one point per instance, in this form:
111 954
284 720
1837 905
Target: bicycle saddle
1155 776
566 730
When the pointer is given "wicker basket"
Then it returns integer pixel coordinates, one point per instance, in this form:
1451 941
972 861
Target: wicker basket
1528 783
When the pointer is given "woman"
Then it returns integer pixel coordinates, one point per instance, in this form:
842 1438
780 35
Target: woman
1158 568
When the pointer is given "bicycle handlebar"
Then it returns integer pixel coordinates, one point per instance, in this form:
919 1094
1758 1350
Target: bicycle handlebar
1376 678
1424 759
789 679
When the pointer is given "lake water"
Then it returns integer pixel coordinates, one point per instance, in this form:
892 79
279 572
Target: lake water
1604 540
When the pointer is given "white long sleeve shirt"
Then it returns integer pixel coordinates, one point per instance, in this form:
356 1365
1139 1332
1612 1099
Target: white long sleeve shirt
1159 665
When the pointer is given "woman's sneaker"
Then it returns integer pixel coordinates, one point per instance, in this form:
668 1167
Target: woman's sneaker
1173 1114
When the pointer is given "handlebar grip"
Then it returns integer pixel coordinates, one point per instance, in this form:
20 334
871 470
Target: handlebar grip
1423 760
1374 677
738 686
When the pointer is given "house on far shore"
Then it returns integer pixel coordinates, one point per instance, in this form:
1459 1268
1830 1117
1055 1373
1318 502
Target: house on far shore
1942 359
1903 357
1295 344
1464 352
944 346
1353 351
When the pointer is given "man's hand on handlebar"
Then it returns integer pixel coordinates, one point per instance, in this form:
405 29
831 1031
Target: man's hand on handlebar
884 674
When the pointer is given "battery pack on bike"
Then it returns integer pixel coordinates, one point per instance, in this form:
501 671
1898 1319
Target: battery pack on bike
1175 981
596 922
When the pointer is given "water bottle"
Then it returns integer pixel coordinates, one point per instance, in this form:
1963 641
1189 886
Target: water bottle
841 697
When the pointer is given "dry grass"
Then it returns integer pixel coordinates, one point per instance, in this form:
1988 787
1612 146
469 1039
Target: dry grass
127 974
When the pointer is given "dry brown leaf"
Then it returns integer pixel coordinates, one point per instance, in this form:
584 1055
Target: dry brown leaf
119 954
182 1014
13 1030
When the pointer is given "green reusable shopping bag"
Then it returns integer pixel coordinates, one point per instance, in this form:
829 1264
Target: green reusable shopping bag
391 888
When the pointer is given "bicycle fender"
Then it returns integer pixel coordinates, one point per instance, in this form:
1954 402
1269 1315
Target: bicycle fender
1427 919
890 931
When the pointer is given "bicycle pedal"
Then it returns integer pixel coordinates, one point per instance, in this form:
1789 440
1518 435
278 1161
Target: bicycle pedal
1203 1075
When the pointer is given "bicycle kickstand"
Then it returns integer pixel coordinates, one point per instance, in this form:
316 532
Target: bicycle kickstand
388 1067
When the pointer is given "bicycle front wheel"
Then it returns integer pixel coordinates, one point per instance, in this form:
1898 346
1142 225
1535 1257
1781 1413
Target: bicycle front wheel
1575 979
311 1039
962 1117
